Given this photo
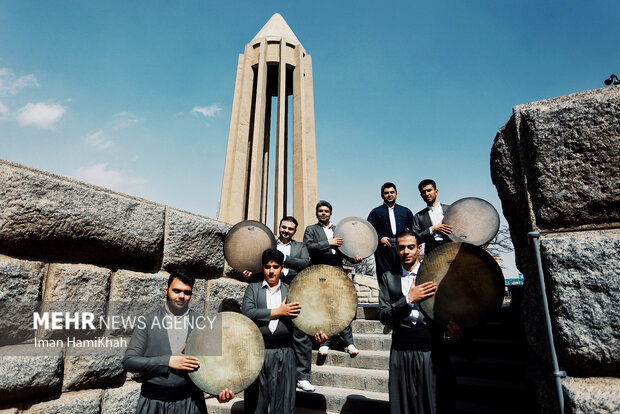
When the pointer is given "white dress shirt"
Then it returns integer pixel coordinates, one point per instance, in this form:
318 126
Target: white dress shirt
274 300
329 232
286 251
406 281
176 327
436 215
392 218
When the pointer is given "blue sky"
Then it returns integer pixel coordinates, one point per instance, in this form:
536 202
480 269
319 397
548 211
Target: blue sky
136 96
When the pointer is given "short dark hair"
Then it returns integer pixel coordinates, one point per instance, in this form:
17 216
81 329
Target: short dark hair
407 232
388 185
425 182
273 254
291 219
183 276
323 203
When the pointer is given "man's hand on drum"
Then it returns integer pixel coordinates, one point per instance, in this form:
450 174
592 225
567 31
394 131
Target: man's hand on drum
335 241
225 396
286 309
385 241
320 337
357 259
247 275
420 292
442 228
183 362
454 331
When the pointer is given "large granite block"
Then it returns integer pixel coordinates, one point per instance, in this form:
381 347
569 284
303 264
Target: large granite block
45 215
20 290
93 366
194 243
556 163
26 376
583 269
225 294
82 402
121 400
591 395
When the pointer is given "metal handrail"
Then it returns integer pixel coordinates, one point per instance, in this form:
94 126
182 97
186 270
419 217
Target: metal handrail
534 236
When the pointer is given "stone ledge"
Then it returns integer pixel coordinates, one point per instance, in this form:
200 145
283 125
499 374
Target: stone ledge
82 402
46 215
592 395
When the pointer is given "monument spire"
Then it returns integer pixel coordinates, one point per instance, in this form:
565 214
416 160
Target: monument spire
274 67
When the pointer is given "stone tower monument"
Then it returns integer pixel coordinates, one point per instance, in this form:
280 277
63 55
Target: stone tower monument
274 64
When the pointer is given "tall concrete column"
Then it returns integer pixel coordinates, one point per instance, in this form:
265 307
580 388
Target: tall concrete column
274 64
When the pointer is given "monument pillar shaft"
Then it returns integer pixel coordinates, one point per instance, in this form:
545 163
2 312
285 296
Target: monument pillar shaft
279 208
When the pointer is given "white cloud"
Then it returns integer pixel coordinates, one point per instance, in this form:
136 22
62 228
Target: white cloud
97 140
208 111
125 120
41 115
10 84
99 174
4 111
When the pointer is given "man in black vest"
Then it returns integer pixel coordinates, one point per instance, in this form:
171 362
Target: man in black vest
156 350
323 247
420 378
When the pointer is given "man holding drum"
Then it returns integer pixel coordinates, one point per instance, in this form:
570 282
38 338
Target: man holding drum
265 303
428 223
156 350
388 219
419 377
323 248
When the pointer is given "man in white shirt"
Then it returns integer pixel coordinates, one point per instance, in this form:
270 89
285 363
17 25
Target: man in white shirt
428 223
420 378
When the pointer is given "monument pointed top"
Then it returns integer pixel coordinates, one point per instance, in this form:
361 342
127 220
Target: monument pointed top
277 27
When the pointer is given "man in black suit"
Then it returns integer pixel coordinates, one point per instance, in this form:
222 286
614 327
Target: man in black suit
156 350
428 223
388 219
323 248
420 377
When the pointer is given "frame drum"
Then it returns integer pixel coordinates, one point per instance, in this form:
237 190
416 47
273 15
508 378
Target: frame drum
473 220
359 237
240 360
327 297
470 284
245 243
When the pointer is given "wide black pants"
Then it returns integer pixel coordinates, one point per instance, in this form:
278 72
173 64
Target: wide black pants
274 389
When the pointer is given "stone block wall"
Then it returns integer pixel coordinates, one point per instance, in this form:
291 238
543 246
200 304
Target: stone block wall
556 167
63 240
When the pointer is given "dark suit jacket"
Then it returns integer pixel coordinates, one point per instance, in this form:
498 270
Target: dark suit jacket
379 217
149 352
319 248
421 227
297 261
394 311
255 308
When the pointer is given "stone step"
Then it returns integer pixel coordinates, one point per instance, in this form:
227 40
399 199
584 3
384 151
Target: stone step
489 367
365 359
368 311
372 342
466 407
489 347
500 329
512 393
344 401
353 378
369 326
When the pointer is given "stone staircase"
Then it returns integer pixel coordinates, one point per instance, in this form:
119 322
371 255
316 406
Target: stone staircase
490 371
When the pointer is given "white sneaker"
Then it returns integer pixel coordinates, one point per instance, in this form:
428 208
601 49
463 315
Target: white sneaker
352 350
305 385
323 350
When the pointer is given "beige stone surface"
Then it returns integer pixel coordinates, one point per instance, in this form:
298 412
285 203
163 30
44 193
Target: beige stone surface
592 395
226 294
